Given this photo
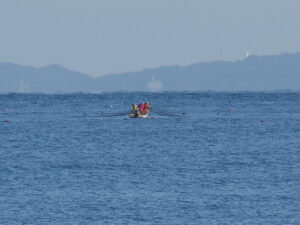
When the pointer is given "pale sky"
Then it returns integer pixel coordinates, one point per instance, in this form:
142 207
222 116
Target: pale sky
100 37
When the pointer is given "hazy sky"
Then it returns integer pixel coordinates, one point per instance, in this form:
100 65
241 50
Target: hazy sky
108 36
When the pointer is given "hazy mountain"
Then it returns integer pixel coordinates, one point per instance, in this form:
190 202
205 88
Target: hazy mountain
53 78
252 73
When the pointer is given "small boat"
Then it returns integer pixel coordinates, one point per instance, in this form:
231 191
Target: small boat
131 115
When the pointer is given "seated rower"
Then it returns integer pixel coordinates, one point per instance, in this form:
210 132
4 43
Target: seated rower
147 107
135 110
141 108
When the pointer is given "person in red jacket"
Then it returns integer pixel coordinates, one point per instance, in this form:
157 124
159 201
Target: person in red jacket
147 107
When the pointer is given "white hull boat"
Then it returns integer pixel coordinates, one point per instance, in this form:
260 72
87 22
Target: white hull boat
131 115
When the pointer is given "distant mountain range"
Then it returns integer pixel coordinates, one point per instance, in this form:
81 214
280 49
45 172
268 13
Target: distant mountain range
254 73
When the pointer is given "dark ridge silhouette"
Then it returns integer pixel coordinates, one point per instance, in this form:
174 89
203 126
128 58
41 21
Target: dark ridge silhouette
254 73
52 78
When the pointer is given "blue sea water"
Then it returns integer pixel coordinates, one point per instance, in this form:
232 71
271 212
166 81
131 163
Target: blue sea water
233 158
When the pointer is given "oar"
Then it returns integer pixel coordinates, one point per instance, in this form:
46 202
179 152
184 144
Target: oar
164 113
113 114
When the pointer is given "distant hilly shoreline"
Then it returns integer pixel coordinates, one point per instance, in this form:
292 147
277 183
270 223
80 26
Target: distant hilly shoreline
254 73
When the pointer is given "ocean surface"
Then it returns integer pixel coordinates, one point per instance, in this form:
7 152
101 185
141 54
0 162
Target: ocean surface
232 158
